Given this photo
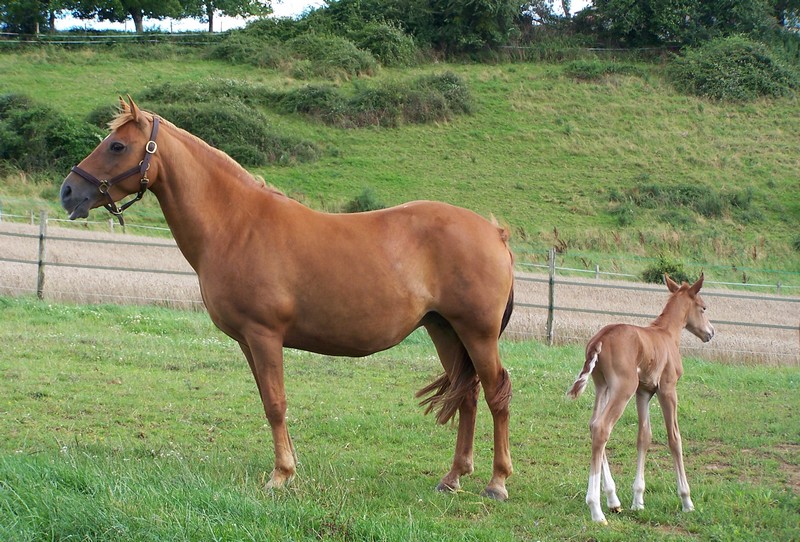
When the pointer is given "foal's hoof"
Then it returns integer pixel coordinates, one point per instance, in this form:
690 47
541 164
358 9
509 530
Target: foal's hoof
498 494
277 481
616 510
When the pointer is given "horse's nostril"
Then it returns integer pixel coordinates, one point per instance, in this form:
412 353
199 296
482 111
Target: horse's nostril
66 191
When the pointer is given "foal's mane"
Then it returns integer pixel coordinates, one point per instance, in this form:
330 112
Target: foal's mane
125 116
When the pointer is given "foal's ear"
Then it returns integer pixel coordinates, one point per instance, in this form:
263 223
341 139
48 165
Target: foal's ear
671 284
696 286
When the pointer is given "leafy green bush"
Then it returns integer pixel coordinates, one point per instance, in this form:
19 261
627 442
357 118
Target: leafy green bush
332 56
239 130
733 68
388 43
365 201
34 137
665 264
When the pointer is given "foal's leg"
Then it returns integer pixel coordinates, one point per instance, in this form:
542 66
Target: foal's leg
605 417
449 348
497 391
642 444
668 398
265 357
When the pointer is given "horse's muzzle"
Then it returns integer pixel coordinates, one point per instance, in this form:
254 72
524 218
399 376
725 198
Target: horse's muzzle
77 200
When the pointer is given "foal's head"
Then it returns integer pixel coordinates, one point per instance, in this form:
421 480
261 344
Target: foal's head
114 168
696 319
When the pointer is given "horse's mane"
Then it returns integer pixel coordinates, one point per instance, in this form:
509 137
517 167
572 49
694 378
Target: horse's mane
125 116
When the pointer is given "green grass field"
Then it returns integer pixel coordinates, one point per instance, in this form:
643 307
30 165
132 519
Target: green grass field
132 423
564 162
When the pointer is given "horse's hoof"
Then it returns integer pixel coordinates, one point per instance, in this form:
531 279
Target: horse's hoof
495 493
445 487
616 510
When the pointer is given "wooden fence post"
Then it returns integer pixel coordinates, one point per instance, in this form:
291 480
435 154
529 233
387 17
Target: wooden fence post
42 238
551 294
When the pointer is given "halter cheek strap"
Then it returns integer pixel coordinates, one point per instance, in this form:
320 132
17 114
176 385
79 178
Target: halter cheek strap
104 185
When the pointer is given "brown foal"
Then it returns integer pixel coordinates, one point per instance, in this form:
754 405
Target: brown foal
624 360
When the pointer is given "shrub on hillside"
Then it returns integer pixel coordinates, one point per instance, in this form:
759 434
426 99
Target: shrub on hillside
429 98
733 68
332 56
35 137
209 90
388 43
241 131
365 201
665 264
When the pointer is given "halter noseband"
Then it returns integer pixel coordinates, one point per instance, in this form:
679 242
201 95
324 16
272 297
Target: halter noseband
103 186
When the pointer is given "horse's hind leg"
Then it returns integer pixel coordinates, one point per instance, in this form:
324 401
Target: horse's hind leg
266 361
450 350
497 390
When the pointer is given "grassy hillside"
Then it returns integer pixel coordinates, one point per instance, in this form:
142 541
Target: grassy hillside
140 423
614 170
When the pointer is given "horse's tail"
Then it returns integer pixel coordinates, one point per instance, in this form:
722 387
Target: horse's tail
449 391
592 353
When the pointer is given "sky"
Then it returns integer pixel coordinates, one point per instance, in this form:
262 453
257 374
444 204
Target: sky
280 8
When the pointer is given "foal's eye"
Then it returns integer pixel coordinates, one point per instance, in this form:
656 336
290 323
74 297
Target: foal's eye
116 146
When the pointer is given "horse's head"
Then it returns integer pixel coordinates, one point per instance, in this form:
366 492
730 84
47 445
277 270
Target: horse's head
120 165
696 320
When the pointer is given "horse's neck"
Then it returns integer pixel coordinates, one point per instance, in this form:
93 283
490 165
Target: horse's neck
200 192
672 319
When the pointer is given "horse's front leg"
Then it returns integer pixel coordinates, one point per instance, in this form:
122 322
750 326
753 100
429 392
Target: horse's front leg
265 356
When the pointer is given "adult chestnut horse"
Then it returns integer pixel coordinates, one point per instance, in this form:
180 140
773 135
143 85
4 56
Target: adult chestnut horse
624 360
276 274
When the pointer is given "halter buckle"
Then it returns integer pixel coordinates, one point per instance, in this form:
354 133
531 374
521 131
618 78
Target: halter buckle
151 147
103 187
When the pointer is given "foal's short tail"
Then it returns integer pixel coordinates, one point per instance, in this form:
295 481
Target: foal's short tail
448 392
591 360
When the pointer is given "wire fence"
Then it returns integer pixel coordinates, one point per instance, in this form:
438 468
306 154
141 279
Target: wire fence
546 304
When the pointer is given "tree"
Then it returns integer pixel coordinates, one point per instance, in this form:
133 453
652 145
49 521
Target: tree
650 22
204 10
120 10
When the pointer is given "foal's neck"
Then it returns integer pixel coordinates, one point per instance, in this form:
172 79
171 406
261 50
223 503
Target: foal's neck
673 318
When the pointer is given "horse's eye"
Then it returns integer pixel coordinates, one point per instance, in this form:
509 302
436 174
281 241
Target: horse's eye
116 146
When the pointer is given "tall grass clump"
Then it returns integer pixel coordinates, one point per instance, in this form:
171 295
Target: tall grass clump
241 131
594 69
35 137
734 68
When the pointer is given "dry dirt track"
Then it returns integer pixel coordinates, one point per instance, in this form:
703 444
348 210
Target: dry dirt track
736 343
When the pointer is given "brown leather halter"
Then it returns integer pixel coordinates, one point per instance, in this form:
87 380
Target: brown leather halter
103 185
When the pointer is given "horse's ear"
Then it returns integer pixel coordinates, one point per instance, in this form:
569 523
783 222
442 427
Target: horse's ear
123 105
696 286
671 284
134 109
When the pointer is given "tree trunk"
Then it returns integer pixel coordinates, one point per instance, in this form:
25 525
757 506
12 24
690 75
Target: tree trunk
52 20
138 17
210 19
